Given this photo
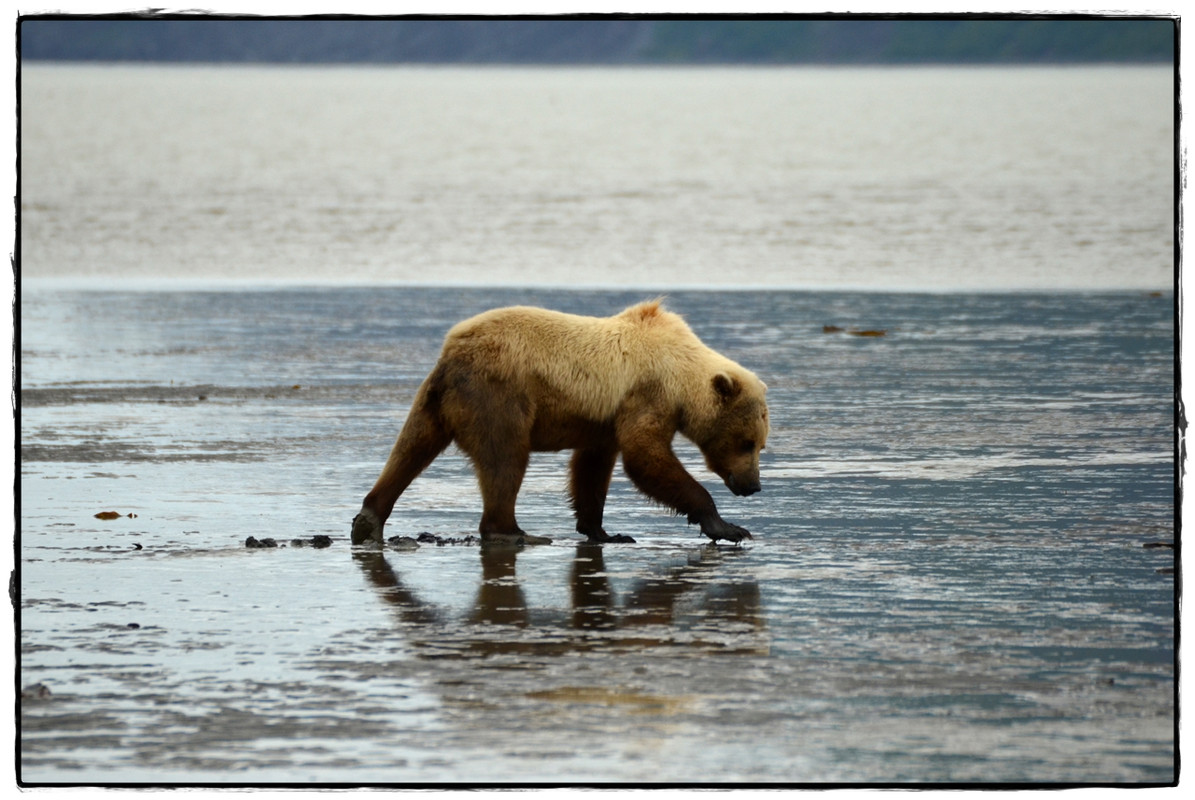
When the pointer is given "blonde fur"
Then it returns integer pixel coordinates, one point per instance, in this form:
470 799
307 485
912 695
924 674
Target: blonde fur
591 364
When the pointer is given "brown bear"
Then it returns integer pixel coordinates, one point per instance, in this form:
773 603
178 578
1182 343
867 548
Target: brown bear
516 380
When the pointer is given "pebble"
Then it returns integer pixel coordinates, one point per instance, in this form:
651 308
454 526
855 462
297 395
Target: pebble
402 543
408 543
319 541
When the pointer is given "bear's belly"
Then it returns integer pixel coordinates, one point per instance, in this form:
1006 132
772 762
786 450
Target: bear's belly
569 432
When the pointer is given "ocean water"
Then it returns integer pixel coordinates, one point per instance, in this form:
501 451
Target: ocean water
915 179
234 279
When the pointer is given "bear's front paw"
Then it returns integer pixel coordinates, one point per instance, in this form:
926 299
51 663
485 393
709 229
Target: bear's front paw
717 528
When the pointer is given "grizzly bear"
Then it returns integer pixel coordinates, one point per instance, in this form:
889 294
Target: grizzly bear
516 380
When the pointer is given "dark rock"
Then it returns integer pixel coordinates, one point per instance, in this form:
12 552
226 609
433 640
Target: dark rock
402 543
37 691
251 542
318 542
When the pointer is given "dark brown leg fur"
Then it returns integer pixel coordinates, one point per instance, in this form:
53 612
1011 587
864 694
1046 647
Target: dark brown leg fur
653 467
493 428
589 481
500 479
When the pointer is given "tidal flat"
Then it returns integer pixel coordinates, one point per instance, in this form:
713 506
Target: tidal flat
962 569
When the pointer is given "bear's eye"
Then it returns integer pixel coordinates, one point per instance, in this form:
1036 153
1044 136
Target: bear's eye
748 446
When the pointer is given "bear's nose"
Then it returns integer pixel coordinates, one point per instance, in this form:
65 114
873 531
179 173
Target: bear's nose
743 488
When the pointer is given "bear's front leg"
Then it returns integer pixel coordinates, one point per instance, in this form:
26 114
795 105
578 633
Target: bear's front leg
651 464
589 481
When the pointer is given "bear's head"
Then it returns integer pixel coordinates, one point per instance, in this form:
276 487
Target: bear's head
739 432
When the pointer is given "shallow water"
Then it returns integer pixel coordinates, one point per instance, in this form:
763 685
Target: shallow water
947 582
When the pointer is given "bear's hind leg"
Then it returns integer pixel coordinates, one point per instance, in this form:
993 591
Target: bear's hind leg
423 437
497 439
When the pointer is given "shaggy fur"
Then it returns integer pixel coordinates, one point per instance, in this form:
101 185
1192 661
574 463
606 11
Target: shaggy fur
516 380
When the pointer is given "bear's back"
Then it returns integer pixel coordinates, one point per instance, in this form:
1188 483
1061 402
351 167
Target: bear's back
591 363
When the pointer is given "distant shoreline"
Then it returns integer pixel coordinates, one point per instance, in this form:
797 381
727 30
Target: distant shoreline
113 283
603 39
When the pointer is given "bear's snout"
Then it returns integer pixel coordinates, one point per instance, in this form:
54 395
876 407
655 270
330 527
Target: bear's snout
743 487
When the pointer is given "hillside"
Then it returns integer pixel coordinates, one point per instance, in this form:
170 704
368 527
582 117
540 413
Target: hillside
604 40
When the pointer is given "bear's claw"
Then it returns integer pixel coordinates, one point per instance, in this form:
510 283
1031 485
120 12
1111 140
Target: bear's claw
718 528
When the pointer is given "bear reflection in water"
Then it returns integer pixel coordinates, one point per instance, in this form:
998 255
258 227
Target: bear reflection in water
719 613
513 381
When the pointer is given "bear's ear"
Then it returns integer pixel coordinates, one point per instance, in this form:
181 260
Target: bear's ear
726 386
